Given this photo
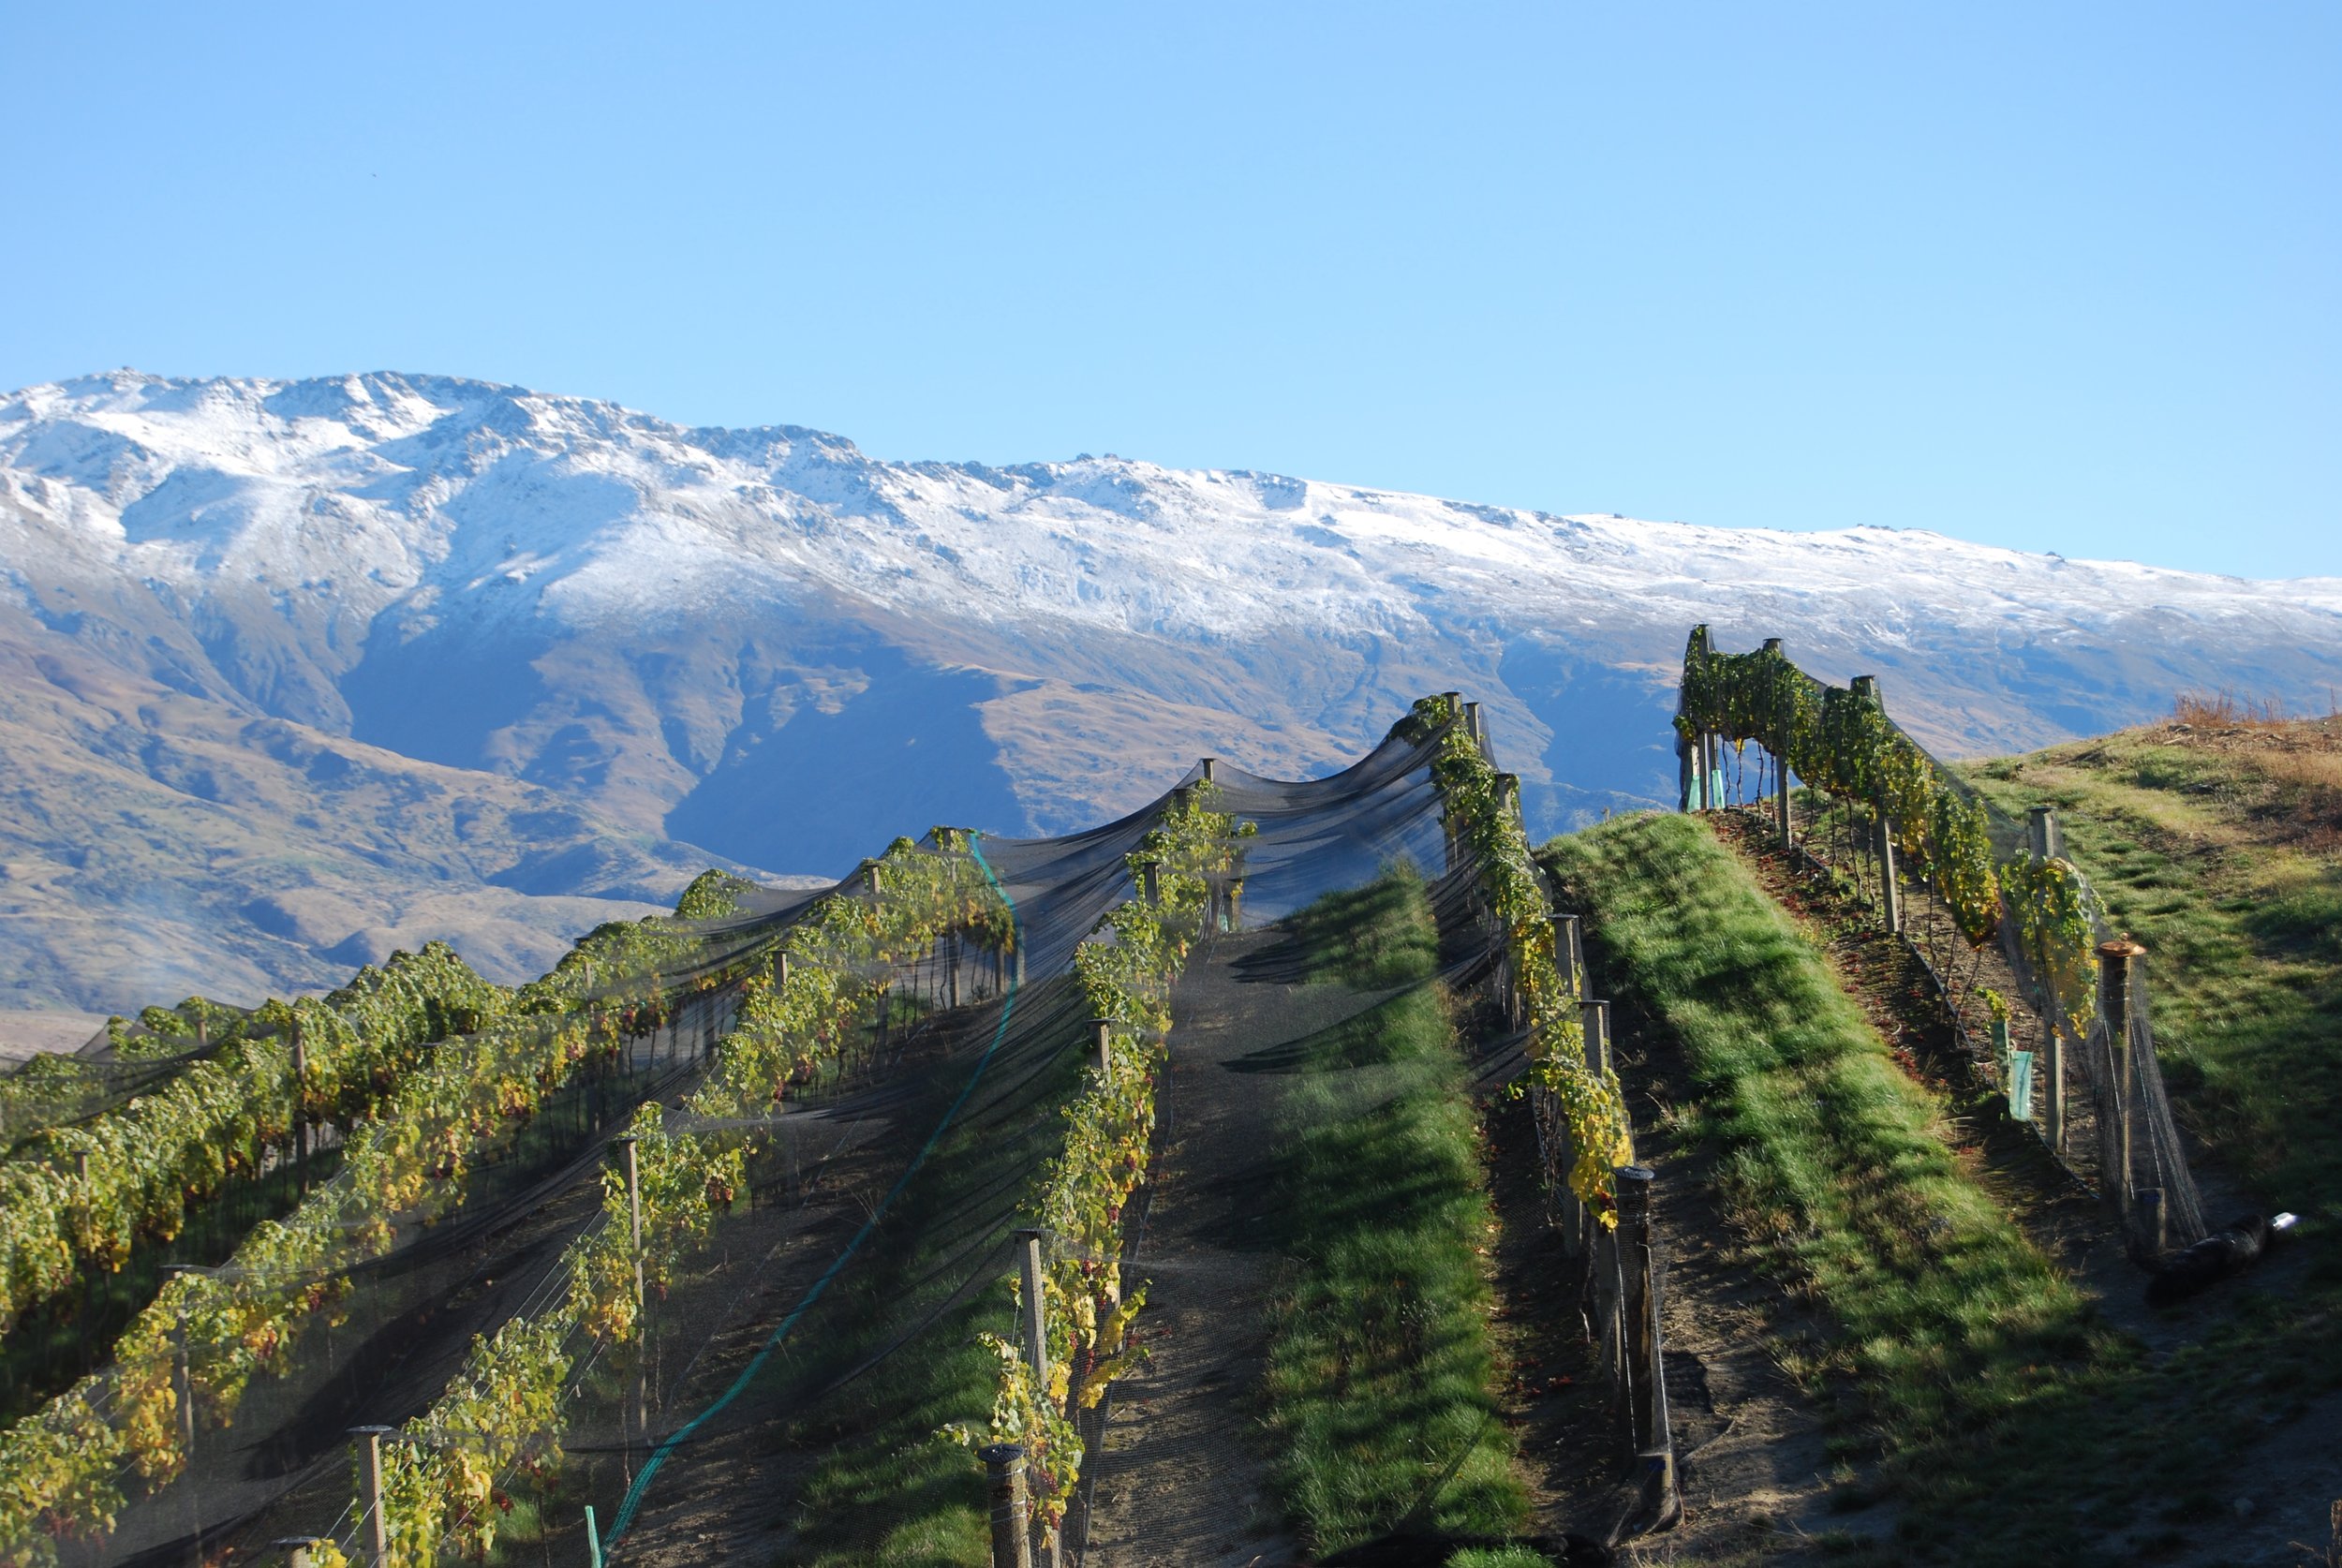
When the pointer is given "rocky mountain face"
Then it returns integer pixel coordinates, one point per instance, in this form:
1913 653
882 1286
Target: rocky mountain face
298 671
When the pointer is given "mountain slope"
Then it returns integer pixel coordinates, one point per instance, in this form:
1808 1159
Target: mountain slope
766 642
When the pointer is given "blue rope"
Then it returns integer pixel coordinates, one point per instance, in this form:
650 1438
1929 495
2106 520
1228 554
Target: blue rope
625 1517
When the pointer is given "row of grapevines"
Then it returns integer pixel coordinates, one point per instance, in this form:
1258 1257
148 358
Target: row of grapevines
795 1018
1109 1132
132 1170
1488 831
1840 740
64 1469
52 1088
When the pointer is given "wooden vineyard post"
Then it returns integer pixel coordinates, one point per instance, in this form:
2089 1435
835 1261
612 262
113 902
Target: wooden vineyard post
634 1218
1005 1496
370 1460
1569 955
1102 1044
183 1384
1889 894
1596 1018
2046 842
1781 764
1031 1317
2052 1088
1570 1210
2118 962
2046 839
1645 1346
642 1322
1472 726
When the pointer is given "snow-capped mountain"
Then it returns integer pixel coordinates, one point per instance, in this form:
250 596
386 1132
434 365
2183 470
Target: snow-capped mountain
609 633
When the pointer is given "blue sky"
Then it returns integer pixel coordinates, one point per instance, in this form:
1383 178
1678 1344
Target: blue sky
2063 277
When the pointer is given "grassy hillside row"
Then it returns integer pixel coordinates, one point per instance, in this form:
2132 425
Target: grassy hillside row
1954 1328
1380 1371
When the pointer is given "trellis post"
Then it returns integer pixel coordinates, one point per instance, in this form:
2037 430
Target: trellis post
1781 762
2118 962
370 1459
1004 1494
1645 1345
1102 1044
1568 962
1568 956
1034 1322
634 1218
2043 836
1891 896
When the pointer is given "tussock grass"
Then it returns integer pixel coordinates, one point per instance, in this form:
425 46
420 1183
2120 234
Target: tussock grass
1951 1326
1380 1378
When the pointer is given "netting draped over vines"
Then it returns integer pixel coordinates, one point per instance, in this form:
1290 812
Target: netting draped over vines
68 1468
1176 872
793 1012
1488 831
80 1194
469 1274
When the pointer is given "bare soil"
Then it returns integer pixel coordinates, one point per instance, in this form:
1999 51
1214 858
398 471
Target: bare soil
1757 1479
1183 1475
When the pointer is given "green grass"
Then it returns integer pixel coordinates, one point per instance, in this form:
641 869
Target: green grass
2199 855
1949 1320
1380 1378
2014 1428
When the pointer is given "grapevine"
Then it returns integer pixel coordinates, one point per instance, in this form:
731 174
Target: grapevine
1490 833
1841 741
1109 1128
132 1170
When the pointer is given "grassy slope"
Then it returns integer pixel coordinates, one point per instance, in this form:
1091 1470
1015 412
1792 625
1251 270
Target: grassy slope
2221 851
2223 855
1957 1332
1380 1376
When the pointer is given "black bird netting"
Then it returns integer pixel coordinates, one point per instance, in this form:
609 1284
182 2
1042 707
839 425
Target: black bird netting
839 1110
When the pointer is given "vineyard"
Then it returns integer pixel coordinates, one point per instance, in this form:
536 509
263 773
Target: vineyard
1309 1171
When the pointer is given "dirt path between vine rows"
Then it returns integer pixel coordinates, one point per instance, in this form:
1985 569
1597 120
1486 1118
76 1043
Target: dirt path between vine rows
1758 1481
1183 1476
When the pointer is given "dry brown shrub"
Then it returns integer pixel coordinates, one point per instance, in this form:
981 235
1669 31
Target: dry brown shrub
2227 710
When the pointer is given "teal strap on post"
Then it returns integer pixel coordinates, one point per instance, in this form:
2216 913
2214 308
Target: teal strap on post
593 1537
633 1500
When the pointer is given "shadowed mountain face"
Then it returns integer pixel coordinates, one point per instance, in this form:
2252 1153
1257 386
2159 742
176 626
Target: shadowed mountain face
296 670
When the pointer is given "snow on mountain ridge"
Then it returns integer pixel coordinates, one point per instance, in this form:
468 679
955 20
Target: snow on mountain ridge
409 464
